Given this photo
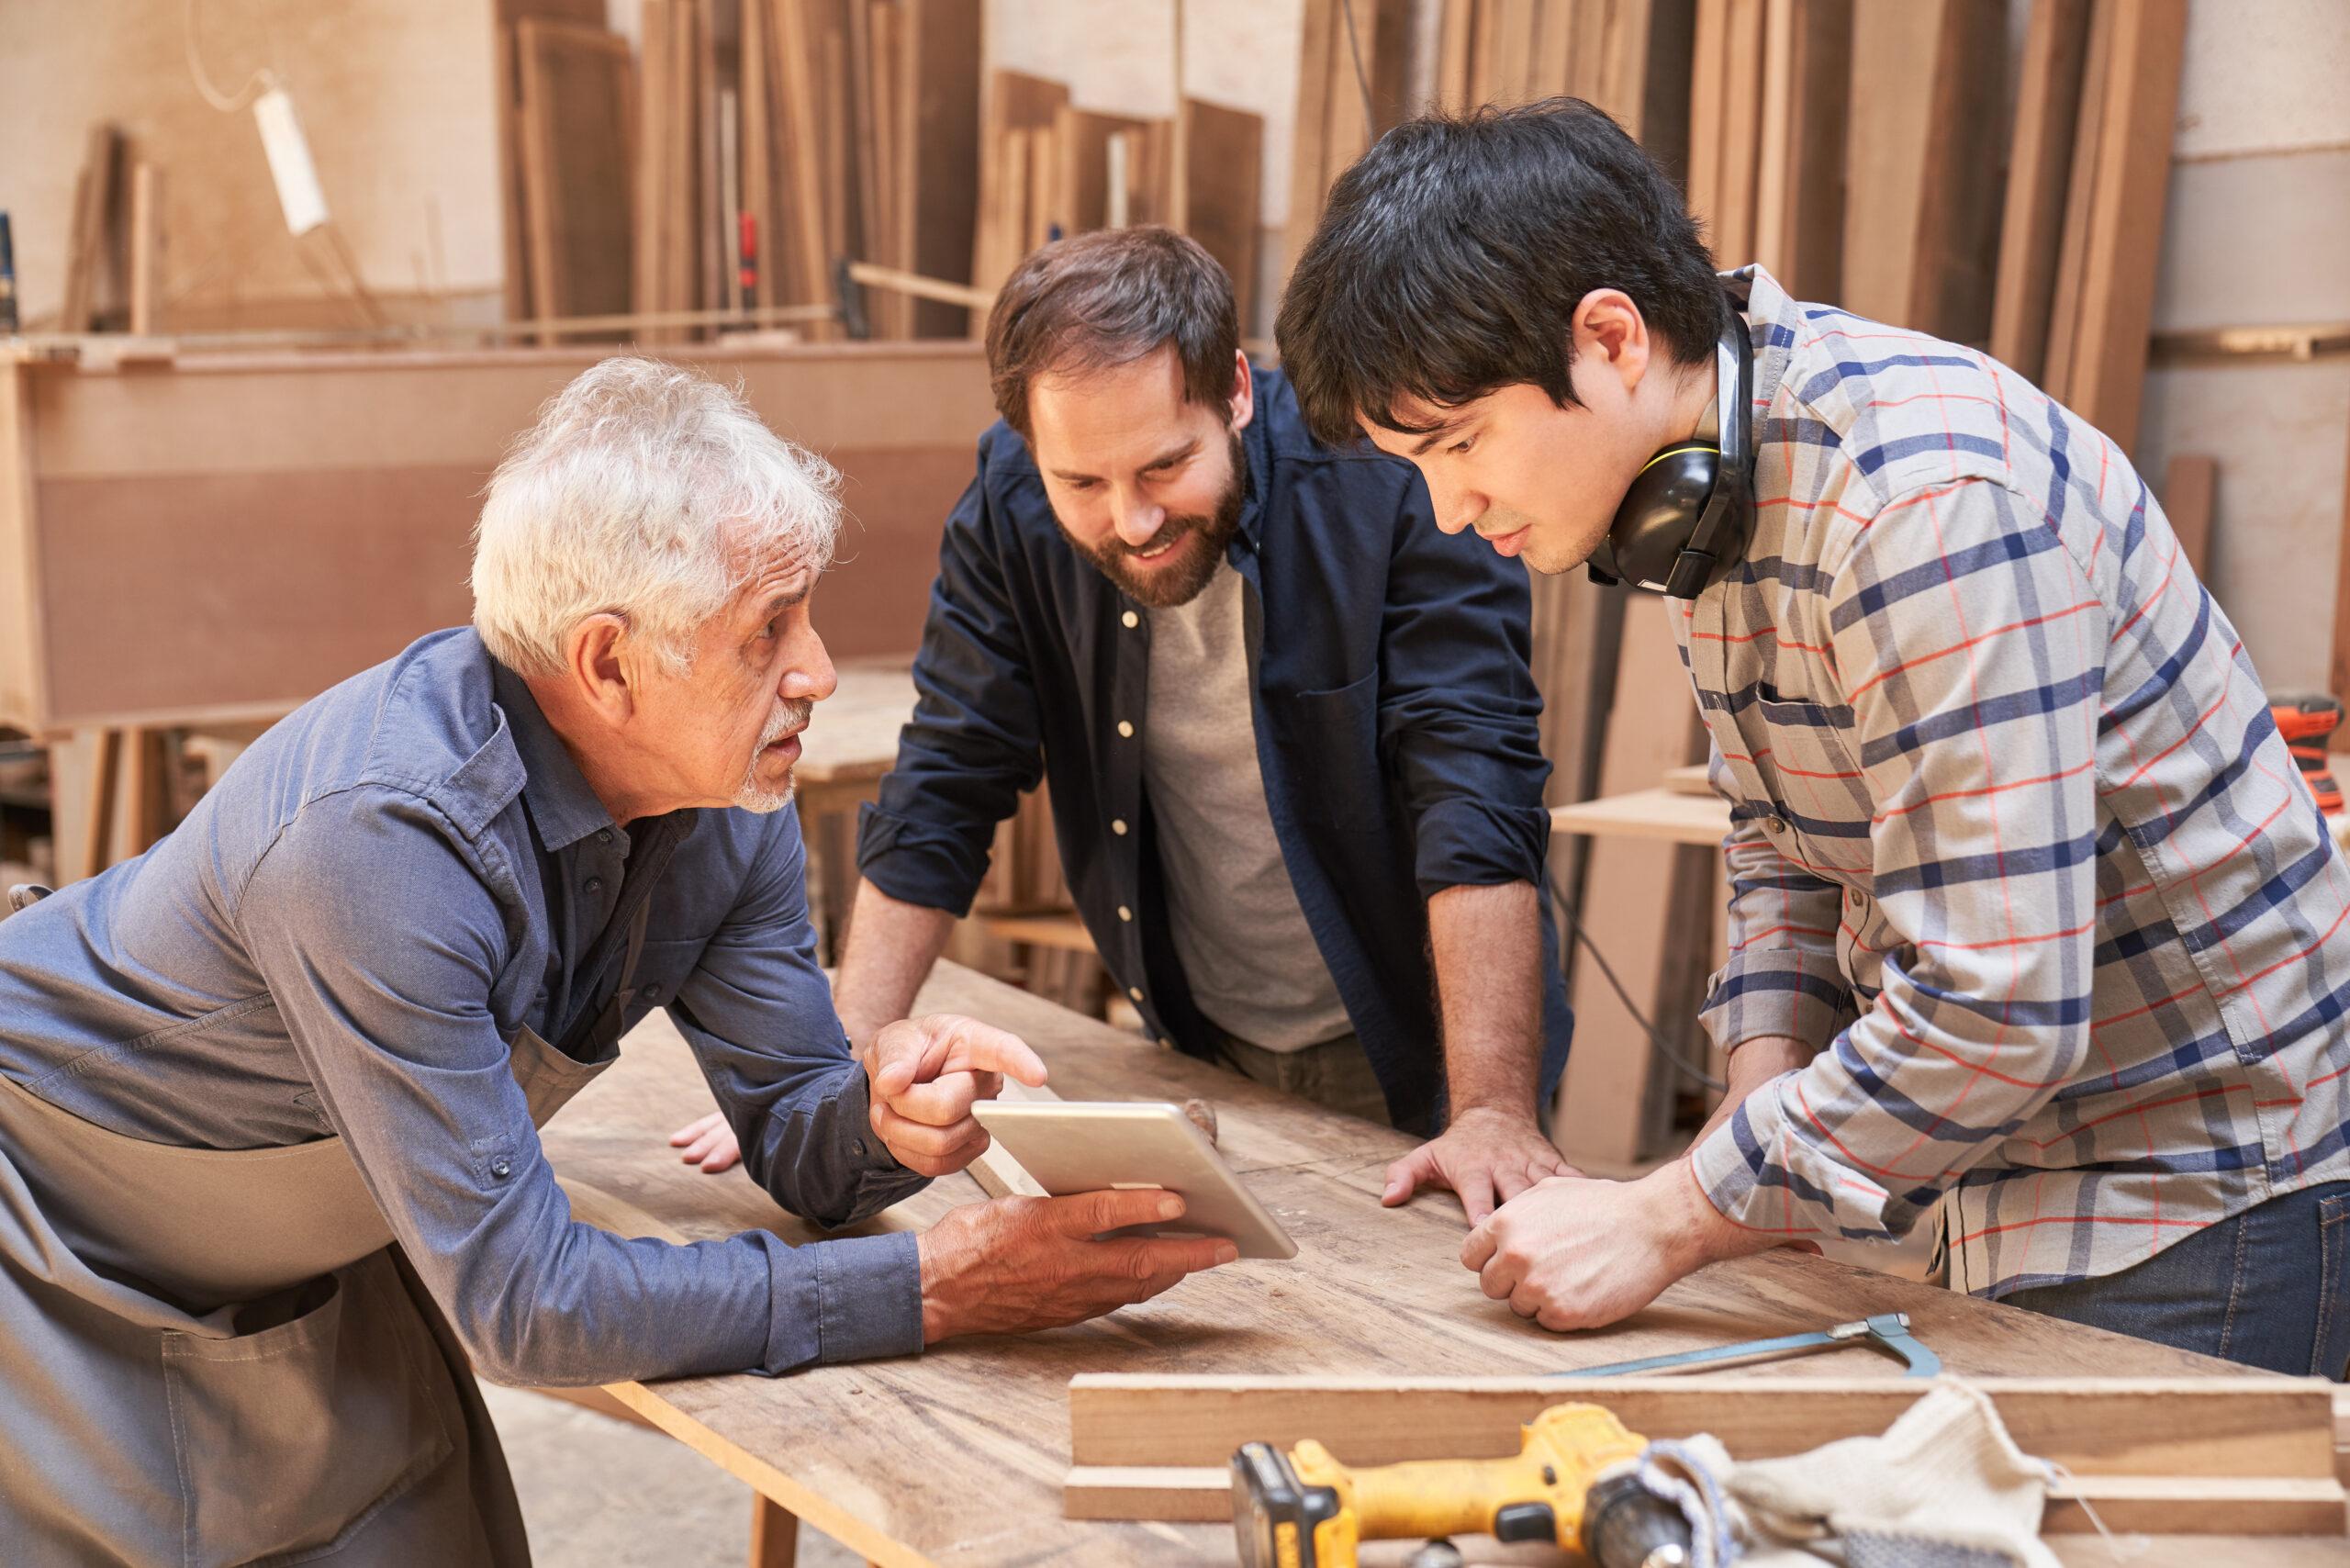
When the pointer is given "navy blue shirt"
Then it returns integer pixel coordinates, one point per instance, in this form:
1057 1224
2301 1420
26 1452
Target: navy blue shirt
1397 721
344 935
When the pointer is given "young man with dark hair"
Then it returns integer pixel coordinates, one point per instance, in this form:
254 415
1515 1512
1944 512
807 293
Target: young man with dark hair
1297 785
2032 924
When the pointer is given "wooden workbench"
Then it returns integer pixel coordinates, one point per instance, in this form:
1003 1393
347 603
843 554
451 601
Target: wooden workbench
849 745
957 1457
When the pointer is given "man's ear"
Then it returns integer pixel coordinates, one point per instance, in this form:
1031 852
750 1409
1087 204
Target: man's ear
1610 332
598 668
1244 392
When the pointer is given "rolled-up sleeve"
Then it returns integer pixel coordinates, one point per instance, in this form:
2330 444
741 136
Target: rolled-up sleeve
1971 649
374 925
975 741
1457 706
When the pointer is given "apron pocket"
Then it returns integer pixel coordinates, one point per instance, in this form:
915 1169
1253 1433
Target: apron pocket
289 1439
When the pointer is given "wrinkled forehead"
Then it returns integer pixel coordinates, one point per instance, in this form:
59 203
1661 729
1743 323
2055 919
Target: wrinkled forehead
764 560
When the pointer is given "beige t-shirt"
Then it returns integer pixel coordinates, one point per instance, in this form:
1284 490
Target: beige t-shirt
1235 918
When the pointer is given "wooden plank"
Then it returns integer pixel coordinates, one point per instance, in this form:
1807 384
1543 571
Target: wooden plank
652 186
2040 164
2190 487
576 120
941 85
1311 131
2080 199
93 197
1669 814
1014 102
503 71
1920 197
759 140
1081 185
1456 46
775 1530
1799 197
1613 1094
2169 1505
2125 221
1741 132
1218 176
2251 1426
1708 79
146 246
1956 221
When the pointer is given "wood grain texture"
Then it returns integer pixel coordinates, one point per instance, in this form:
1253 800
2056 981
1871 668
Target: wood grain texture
319 475
1219 171
2124 227
2040 164
958 1457
2190 490
577 120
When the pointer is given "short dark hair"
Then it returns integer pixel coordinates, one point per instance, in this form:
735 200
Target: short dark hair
1107 299
1451 256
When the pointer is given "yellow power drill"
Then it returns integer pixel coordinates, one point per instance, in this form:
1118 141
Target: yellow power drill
1570 1484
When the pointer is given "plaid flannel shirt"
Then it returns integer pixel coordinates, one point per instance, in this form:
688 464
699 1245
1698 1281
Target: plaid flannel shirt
2014 837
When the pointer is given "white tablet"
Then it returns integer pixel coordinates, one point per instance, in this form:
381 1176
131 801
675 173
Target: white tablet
1083 1146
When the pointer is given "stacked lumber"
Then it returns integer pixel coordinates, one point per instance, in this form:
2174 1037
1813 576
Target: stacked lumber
730 166
2102 308
1048 168
1350 79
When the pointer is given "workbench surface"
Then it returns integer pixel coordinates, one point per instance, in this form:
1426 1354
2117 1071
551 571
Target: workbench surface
957 1457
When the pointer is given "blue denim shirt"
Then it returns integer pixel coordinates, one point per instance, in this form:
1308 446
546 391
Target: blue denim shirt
342 938
1396 721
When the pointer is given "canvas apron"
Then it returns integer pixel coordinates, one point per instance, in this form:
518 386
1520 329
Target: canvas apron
214 1357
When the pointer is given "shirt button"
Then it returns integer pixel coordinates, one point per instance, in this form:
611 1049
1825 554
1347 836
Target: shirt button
1165 1044
1118 826
1125 728
501 1167
604 835
856 1147
1778 824
595 884
1124 914
1131 619
1135 992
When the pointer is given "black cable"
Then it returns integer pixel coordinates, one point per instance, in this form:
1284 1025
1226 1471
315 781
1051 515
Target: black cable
1656 1037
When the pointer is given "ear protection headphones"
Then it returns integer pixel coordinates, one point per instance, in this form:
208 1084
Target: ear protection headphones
1685 521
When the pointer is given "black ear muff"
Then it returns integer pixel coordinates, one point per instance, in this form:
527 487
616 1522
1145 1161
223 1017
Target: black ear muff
1653 525
1685 519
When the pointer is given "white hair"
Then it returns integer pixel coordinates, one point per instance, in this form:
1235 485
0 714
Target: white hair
645 491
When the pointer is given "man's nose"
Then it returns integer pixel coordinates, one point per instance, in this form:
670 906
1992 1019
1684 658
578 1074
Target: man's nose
1455 508
1136 519
808 673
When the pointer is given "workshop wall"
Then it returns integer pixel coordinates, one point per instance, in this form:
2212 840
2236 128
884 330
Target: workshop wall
394 96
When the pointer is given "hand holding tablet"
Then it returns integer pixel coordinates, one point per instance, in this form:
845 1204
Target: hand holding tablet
1074 1146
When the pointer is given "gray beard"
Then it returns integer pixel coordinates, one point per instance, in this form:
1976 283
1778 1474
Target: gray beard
753 796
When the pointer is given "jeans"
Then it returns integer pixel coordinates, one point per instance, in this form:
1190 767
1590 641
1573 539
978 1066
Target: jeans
1335 1075
2269 1287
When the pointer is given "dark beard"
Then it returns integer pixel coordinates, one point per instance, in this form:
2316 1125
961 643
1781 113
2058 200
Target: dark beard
1181 582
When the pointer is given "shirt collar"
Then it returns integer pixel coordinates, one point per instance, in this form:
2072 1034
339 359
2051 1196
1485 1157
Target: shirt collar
561 806
1256 447
1774 320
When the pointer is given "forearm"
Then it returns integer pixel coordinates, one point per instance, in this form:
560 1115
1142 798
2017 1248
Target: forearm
1487 946
891 948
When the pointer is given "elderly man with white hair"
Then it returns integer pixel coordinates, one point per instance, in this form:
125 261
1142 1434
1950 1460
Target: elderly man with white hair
270 1174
